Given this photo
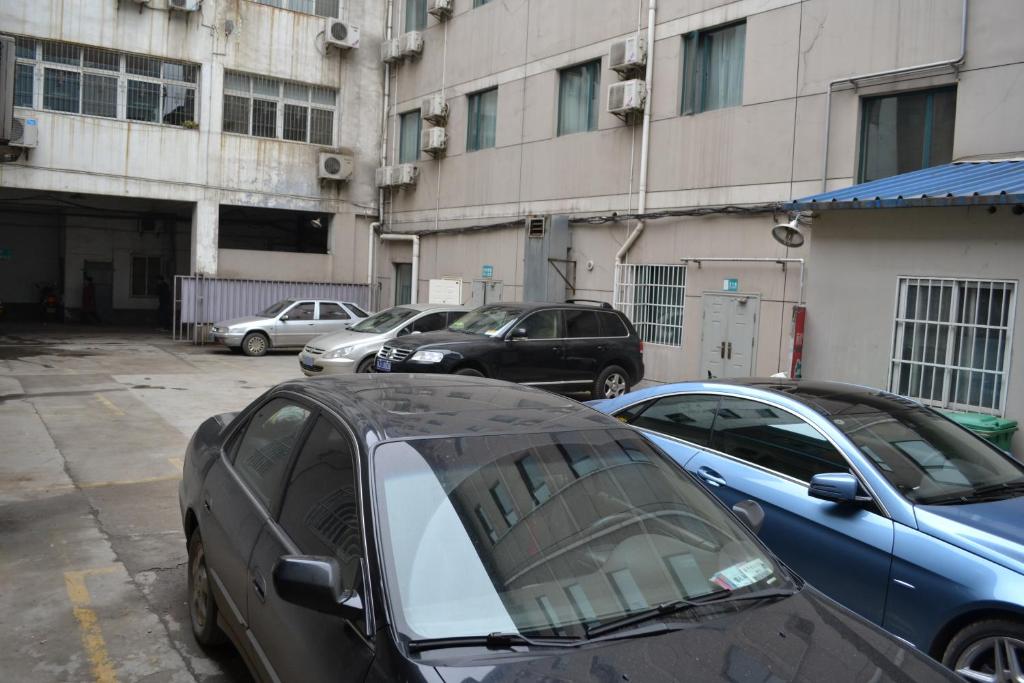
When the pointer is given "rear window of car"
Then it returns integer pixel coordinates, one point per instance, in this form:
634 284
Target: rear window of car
582 324
612 325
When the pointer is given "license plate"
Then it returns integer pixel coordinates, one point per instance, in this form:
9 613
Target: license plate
383 365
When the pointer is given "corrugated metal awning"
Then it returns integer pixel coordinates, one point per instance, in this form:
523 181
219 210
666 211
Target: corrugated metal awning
962 183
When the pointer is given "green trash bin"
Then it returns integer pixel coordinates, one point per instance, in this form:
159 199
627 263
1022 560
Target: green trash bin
998 430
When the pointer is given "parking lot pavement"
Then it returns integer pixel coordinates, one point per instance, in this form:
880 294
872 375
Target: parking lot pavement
93 426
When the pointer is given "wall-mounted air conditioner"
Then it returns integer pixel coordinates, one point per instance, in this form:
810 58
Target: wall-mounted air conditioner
628 56
627 97
184 5
390 51
24 134
411 44
341 34
384 176
441 9
434 141
434 109
335 166
397 176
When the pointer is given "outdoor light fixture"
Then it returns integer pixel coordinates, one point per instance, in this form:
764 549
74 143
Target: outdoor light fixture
789 234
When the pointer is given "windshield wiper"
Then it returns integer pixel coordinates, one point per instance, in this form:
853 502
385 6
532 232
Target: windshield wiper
715 598
981 494
492 641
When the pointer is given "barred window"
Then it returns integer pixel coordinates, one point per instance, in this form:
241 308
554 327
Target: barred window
87 80
321 8
652 297
952 342
270 108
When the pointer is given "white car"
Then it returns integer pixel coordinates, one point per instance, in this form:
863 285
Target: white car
290 323
354 349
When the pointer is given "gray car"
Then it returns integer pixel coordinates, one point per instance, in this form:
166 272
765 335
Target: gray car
353 349
290 323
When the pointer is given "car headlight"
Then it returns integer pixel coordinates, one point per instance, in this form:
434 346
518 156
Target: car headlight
337 353
219 329
427 357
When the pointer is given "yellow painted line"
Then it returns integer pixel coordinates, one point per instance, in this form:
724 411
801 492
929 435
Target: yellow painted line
108 405
177 463
88 623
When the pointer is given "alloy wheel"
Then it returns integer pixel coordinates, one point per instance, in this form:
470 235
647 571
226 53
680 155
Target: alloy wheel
200 589
614 385
257 344
995 659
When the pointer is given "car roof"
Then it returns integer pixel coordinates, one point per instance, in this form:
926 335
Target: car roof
434 307
403 406
537 305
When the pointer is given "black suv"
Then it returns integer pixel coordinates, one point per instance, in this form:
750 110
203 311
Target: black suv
568 347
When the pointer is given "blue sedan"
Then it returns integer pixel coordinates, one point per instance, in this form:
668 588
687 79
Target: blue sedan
884 504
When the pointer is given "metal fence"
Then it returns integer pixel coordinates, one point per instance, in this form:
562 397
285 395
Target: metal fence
199 301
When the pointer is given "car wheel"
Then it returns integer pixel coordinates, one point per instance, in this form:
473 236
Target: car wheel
254 344
366 365
991 650
201 606
611 383
469 372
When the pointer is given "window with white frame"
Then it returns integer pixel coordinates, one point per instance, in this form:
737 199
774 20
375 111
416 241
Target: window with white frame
271 108
952 338
86 80
321 8
652 297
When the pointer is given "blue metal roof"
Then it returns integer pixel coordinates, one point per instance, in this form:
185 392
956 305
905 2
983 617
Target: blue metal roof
962 183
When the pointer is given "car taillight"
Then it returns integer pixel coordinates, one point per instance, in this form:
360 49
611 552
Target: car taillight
641 346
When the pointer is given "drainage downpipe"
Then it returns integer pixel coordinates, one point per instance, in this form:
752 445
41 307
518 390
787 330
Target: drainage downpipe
415 239
645 143
375 227
880 74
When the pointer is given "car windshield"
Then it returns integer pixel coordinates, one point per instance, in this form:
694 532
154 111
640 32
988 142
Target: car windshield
384 321
546 534
927 457
487 320
275 309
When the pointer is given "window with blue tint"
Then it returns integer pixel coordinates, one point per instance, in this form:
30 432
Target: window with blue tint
713 68
410 126
480 3
488 528
483 120
504 502
578 98
23 85
906 132
578 454
415 15
61 90
685 416
533 476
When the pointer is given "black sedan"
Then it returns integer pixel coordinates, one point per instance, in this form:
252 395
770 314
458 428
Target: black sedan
439 528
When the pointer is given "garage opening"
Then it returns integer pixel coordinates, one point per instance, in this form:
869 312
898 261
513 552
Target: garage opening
259 229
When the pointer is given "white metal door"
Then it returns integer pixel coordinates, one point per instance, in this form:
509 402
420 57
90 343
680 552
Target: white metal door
729 334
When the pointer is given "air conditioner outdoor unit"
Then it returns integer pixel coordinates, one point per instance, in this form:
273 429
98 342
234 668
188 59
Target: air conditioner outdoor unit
442 9
405 174
185 5
434 140
334 166
25 133
341 34
434 109
390 51
385 176
411 44
627 97
629 55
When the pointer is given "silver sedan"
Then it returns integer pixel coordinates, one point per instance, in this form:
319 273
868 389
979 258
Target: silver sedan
290 323
354 349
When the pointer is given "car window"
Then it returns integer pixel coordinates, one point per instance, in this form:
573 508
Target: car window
454 315
612 325
430 323
773 438
320 512
581 324
687 417
303 311
329 311
542 325
262 456
358 311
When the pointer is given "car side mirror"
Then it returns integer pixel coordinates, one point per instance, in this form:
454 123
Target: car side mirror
314 582
750 513
837 487
518 334
284 318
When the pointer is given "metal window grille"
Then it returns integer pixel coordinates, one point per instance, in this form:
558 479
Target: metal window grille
87 80
321 8
952 340
652 296
270 108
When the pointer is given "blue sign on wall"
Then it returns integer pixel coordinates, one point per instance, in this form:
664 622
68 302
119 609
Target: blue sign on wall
488 271
731 285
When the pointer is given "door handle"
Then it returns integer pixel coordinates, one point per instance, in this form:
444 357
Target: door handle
721 350
259 585
728 351
711 477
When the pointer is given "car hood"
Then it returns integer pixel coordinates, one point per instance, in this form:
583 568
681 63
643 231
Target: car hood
803 638
245 320
438 339
991 530
335 340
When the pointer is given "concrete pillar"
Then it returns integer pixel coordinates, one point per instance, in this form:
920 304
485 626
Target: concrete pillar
205 219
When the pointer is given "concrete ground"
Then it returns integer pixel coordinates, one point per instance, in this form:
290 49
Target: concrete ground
93 426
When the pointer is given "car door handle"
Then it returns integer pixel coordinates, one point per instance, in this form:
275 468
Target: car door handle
711 477
259 585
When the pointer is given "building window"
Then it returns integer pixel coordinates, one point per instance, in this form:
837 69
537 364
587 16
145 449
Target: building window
321 8
270 108
578 95
713 68
504 502
906 132
652 296
145 275
483 120
409 137
85 80
533 476
260 229
480 3
415 15
951 346
485 523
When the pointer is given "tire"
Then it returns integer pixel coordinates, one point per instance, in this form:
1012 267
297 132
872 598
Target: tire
468 372
974 649
255 344
202 608
612 382
365 365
